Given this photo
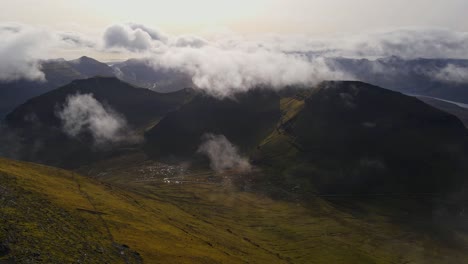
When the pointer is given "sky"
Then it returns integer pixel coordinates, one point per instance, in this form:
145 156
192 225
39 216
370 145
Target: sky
231 45
241 16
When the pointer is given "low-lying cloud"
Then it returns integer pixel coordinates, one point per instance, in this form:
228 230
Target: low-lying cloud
227 63
407 43
452 73
82 113
231 63
223 154
223 72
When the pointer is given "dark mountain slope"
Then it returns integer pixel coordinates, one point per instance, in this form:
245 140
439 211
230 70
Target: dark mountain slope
139 106
245 120
447 106
38 124
352 137
57 73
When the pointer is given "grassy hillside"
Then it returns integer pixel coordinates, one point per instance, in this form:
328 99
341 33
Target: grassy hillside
196 217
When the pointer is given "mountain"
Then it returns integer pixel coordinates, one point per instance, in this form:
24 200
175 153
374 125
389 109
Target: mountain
57 73
244 119
345 172
141 73
457 109
440 78
356 138
89 67
339 137
37 121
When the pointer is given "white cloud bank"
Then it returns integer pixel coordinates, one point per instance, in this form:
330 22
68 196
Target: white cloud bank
222 72
223 154
227 63
22 48
83 113
231 63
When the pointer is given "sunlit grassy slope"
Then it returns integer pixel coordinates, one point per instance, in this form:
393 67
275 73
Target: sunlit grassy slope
195 220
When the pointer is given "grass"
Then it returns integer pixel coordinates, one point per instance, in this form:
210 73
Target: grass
62 217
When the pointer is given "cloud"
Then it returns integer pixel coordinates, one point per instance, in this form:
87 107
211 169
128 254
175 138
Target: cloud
75 39
223 67
133 37
189 41
222 72
20 49
407 43
452 73
23 47
155 34
223 154
83 113
232 63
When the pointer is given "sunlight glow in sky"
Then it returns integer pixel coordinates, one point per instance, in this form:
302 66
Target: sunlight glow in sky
242 16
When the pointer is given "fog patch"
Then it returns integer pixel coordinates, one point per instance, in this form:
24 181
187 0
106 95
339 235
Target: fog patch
452 73
223 155
82 113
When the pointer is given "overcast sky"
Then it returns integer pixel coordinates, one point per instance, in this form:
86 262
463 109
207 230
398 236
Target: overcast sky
232 45
241 16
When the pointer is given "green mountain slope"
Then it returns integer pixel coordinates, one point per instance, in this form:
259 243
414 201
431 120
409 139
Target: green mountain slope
351 137
45 210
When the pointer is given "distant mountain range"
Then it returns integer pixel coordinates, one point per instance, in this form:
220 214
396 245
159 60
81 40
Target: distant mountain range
425 77
60 72
441 78
57 73
141 73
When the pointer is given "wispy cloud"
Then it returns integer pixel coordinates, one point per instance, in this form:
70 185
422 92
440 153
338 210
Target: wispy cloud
82 113
223 154
452 73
